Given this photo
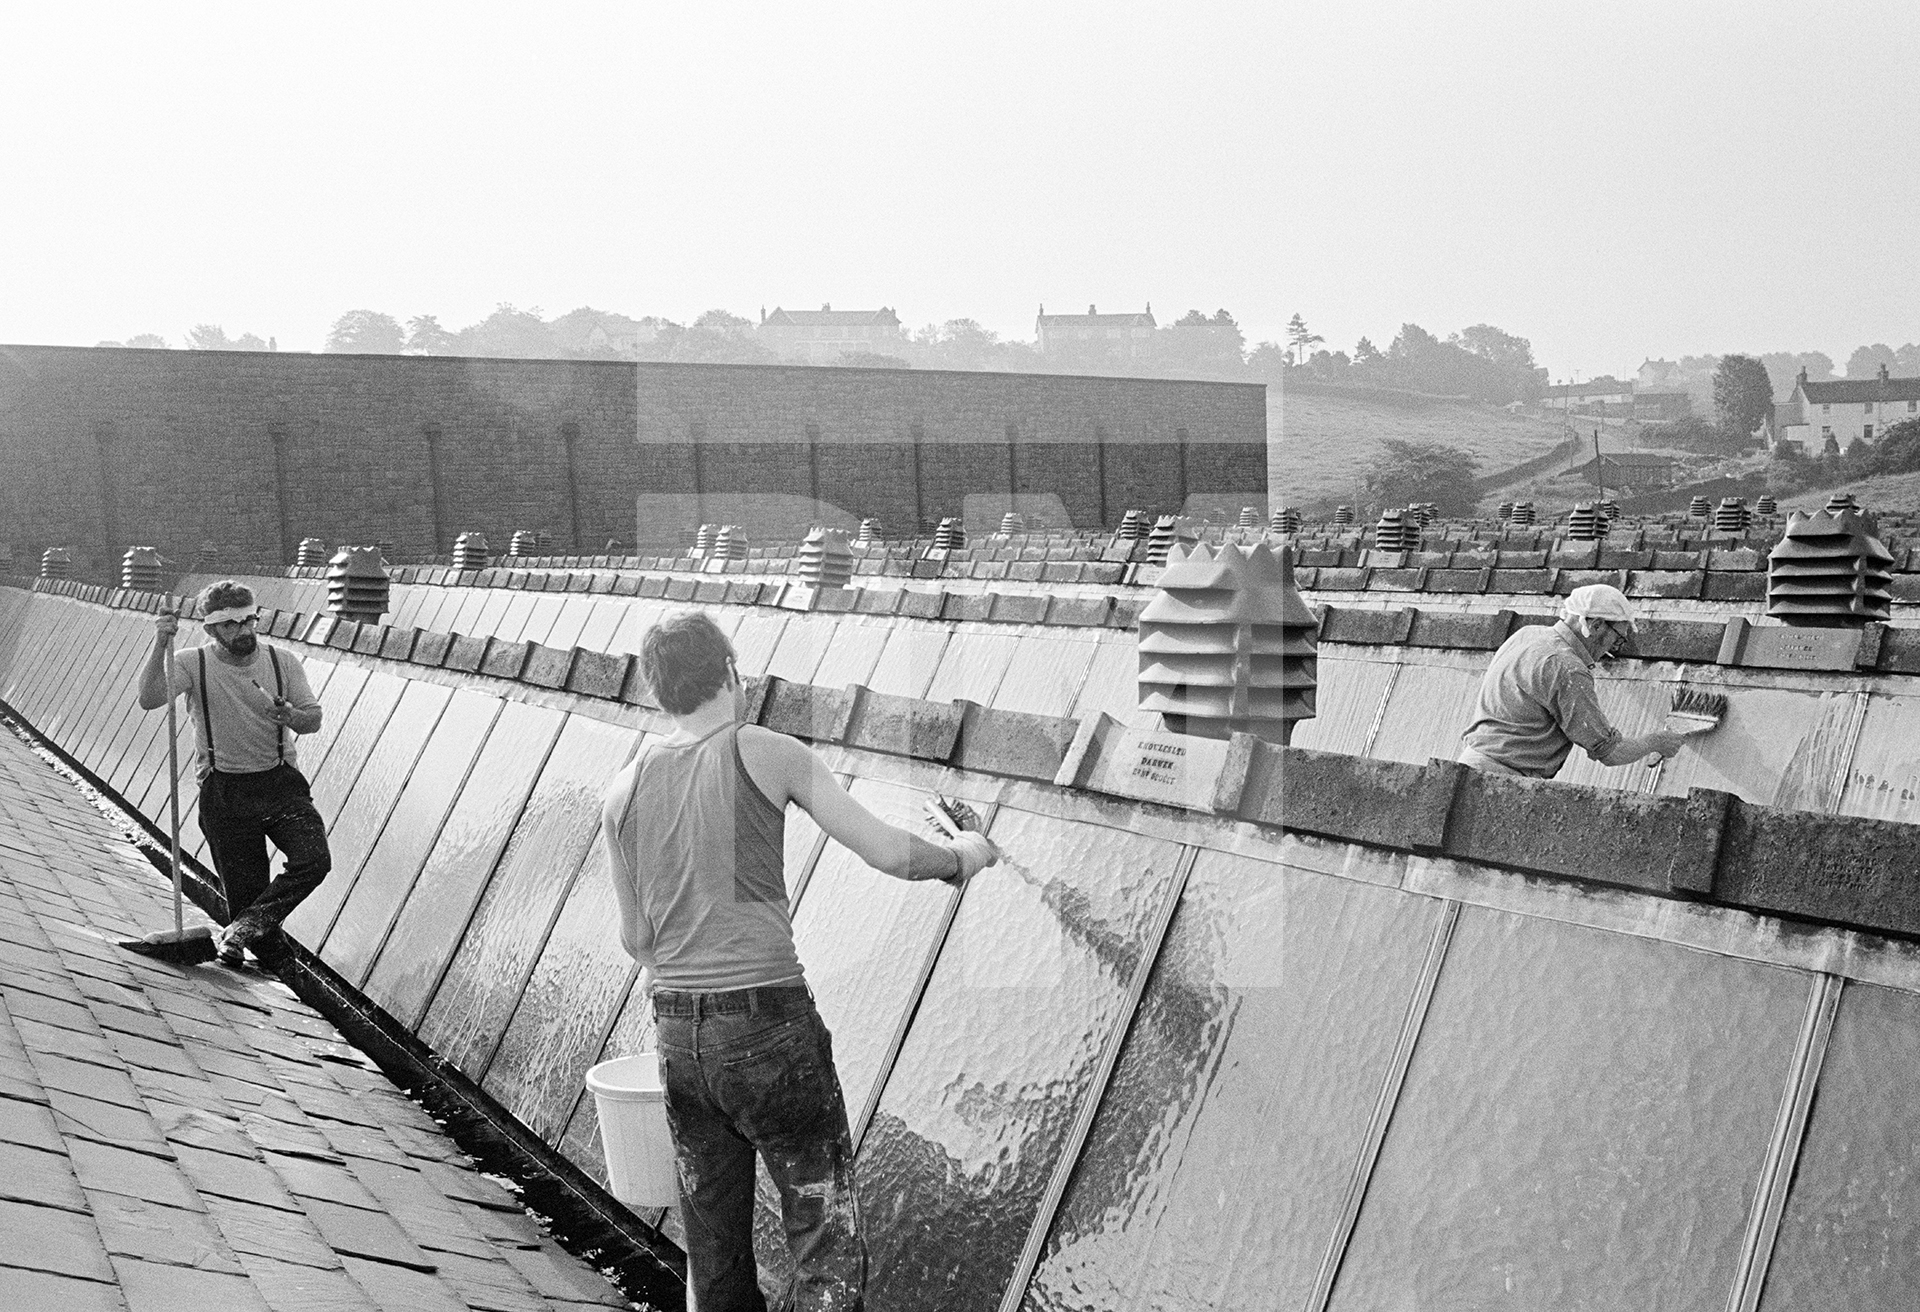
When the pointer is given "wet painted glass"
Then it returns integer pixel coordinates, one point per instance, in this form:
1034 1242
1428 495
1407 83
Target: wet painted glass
363 816
545 614
1883 780
603 618
1214 1172
1429 708
333 775
1112 683
971 667
857 644
908 661
372 900
755 639
1345 703
513 617
637 616
1583 1125
804 641
574 613
1850 1235
976 1110
561 820
1045 674
433 918
494 607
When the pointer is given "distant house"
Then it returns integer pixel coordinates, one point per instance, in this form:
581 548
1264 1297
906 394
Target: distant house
621 338
1661 407
1656 375
1626 469
822 336
1844 409
1591 398
1106 334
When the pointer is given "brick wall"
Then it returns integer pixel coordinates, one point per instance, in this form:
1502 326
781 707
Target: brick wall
105 448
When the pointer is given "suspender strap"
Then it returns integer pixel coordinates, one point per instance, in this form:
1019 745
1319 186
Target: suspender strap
206 715
279 690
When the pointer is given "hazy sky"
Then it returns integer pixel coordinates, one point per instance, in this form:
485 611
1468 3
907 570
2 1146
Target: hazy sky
1609 180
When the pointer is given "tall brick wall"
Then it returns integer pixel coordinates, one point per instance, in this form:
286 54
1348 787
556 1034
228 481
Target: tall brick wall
104 447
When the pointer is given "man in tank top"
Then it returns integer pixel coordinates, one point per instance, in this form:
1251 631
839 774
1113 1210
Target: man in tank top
694 836
247 701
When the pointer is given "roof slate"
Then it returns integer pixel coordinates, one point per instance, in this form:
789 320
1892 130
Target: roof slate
195 1136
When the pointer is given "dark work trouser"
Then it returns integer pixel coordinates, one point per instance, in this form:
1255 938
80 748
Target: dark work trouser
753 1070
239 813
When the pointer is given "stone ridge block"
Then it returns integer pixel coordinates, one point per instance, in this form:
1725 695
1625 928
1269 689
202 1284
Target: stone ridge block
345 634
1566 580
635 692
1688 560
1474 559
1012 742
679 589
1342 579
1306 579
1460 630
283 623
903 726
432 649
1384 803
1029 608
1102 575
546 667
1369 628
1061 571
1520 580
1622 558
1088 612
708 592
396 642
1512 560
465 653
1126 612
876 601
576 582
1735 558
989 569
1819 867
1665 583
1375 559
1675 640
319 630
652 585
1318 558
1573 830
920 605
806 710
504 658
1736 587
1396 580
1899 652
1575 555
1459 580
966 605
741 593
370 639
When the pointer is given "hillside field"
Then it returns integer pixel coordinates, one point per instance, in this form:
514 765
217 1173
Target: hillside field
1326 442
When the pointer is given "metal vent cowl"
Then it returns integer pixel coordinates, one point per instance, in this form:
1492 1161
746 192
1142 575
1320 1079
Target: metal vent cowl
470 551
825 560
1228 645
1829 570
357 583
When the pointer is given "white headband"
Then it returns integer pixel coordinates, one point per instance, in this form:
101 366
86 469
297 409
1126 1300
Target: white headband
232 614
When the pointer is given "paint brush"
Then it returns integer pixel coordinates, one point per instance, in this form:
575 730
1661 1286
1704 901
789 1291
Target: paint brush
1693 710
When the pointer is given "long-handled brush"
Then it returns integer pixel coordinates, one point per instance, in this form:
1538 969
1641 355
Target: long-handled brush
186 946
1690 711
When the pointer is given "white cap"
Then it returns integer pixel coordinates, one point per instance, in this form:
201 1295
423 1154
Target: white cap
1600 601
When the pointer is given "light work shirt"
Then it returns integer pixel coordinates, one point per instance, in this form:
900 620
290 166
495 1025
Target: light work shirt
245 741
1537 701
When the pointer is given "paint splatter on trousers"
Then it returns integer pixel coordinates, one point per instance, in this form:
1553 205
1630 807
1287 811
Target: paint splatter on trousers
749 1072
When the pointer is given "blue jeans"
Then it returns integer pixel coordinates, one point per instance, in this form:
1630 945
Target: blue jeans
752 1070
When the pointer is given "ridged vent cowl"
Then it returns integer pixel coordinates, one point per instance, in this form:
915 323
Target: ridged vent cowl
1829 570
140 569
312 554
1285 520
704 539
825 559
1395 532
732 543
951 535
1766 506
1228 645
1133 527
470 551
1732 516
523 543
870 532
1012 522
56 563
1522 514
1163 539
357 583
1840 501
1699 508
1584 523
1343 515
1249 518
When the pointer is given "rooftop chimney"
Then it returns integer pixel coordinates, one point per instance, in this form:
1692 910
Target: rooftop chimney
1883 373
825 306
1092 310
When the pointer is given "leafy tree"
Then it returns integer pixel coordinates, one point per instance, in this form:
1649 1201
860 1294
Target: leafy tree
1267 361
1423 471
249 342
1742 394
365 332
1784 367
1365 352
1299 340
425 336
208 337
1489 343
509 333
148 341
1865 362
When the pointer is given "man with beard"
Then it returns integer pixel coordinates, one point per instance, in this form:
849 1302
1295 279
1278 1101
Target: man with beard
247 701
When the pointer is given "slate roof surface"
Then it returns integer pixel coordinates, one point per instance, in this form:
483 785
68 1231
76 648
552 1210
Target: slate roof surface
198 1138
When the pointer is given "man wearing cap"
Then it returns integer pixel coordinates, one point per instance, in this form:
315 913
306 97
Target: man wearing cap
247 701
1537 699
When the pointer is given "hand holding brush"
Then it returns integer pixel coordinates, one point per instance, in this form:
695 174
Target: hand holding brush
960 824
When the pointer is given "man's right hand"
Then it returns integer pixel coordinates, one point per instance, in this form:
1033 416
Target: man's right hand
165 626
1664 744
976 852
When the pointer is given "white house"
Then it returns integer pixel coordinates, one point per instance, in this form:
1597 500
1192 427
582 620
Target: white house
1844 409
822 336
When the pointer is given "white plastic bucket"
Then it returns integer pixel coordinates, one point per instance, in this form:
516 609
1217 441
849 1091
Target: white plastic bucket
633 1130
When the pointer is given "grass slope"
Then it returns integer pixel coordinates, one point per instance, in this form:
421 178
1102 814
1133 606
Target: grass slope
1328 442
1885 494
